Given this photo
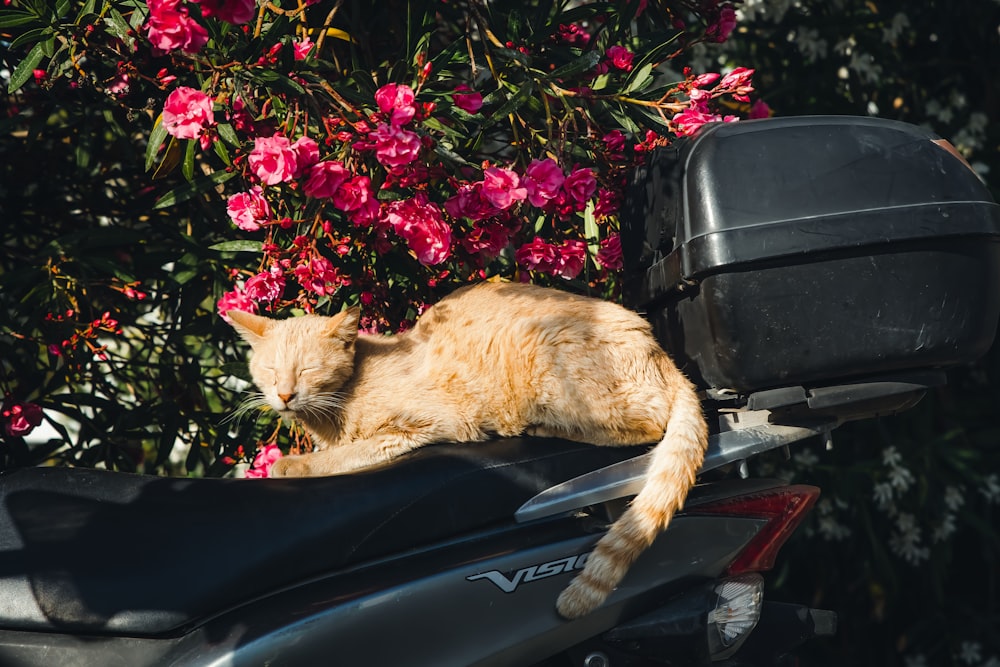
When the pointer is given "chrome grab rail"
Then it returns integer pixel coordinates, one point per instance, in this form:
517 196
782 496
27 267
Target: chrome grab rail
626 478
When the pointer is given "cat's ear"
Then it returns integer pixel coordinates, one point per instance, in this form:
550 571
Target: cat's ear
344 325
251 327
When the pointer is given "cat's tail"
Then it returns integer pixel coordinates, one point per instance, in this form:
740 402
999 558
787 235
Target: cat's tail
672 468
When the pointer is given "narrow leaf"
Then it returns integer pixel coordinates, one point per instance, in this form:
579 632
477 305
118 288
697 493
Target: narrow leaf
189 190
156 138
26 68
238 246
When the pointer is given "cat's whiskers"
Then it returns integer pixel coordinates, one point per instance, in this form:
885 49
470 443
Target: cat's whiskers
254 401
321 406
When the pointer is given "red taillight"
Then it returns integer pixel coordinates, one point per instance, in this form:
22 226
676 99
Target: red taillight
783 507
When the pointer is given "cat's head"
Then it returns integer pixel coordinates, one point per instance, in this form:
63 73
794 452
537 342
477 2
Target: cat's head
300 363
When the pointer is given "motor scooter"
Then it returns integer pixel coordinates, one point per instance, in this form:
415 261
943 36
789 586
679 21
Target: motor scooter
863 266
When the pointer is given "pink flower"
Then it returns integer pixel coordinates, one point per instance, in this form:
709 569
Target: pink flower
395 147
723 26
353 194
538 256
273 159
542 181
20 419
302 48
306 155
489 239
187 112
236 12
690 120
581 184
249 210
620 57
608 202
266 286
397 101
610 254
467 99
319 276
502 187
235 300
739 83
760 109
572 34
325 178
614 141
170 28
422 226
469 203
262 463
572 257
706 79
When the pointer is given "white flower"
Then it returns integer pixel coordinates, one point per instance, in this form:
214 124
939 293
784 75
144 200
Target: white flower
900 478
806 458
945 529
991 488
832 530
907 523
906 543
970 652
896 28
810 44
915 660
891 456
883 494
864 65
954 497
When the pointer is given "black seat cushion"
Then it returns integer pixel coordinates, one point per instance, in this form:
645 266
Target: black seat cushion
96 551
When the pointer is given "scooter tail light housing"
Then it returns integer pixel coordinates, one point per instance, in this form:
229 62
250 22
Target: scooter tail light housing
783 508
738 604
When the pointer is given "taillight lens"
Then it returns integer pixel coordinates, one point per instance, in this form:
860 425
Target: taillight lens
783 508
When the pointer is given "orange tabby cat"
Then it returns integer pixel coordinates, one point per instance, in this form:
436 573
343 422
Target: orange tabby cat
496 359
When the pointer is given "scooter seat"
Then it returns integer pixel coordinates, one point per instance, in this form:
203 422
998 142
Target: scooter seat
96 552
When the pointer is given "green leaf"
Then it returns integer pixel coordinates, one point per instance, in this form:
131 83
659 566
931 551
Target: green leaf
26 67
193 189
514 103
156 138
639 79
228 134
238 246
584 63
188 167
220 150
591 233
118 26
14 19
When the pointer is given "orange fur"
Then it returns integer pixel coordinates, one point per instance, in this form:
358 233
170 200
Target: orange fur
497 359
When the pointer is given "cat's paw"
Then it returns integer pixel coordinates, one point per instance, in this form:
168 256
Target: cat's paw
290 466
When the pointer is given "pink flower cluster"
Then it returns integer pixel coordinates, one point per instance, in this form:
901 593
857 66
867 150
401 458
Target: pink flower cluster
565 260
171 28
543 184
736 83
20 418
263 461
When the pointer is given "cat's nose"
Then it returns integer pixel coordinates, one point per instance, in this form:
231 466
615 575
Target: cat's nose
286 397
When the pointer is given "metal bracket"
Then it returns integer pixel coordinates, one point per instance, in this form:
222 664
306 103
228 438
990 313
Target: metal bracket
625 478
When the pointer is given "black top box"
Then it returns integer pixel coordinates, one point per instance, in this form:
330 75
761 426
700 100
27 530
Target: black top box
807 250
